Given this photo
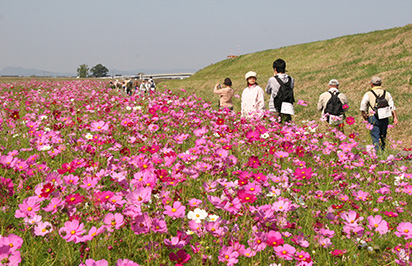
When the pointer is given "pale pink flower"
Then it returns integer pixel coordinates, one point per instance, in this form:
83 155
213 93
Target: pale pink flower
99 126
113 221
72 231
377 223
41 229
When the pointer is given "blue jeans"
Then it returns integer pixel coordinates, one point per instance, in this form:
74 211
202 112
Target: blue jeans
378 132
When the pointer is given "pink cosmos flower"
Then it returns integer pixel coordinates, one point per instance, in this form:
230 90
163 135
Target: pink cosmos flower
67 167
176 211
141 224
195 202
350 120
253 135
351 217
258 241
361 195
303 173
338 252
113 221
41 229
233 206
126 262
91 262
174 242
253 188
139 196
228 255
71 180
28 208
99 126
11 258
324 242
247 252
404 229
274 239
73 199
300 240
281 154
281 206
303 256
54 205
390 214
72 231
285 252
253 162
159 225
12 241
302 102
377 223
246 197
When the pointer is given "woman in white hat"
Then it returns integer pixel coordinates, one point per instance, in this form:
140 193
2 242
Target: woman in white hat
253 101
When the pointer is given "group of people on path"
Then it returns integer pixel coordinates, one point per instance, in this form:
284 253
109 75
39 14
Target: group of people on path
376 106
131 86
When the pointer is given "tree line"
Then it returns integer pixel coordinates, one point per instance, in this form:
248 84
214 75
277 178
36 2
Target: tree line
97 71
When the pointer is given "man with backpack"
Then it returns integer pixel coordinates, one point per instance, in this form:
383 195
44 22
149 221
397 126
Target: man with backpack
333 104
376 107
280 88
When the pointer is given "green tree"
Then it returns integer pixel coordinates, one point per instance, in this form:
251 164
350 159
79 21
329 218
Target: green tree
99 71
82 71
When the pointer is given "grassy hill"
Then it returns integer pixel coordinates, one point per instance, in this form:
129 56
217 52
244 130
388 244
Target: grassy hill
352 59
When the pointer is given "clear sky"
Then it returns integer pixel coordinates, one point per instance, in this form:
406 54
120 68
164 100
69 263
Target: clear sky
60 35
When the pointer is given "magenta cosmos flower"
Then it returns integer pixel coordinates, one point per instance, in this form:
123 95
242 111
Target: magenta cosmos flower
72 231
73 199
181 257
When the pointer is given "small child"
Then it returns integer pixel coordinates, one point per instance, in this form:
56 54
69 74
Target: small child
253 101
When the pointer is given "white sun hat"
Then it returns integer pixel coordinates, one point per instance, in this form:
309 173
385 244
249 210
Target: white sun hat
250 74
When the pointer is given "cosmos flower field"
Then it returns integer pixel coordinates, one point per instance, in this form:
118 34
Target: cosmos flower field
90 177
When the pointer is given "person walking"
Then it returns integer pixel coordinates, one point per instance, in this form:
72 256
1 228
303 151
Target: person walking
253 100
272 88
226 94
376 107
151 85
333 104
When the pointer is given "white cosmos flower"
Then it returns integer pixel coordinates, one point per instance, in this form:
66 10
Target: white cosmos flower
265 135
197 215
45 148
89 136
128 108
213 218
42 117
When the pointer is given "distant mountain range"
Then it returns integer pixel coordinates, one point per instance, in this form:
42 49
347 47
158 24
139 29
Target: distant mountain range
25 72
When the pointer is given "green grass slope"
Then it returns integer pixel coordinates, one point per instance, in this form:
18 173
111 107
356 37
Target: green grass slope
352 59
